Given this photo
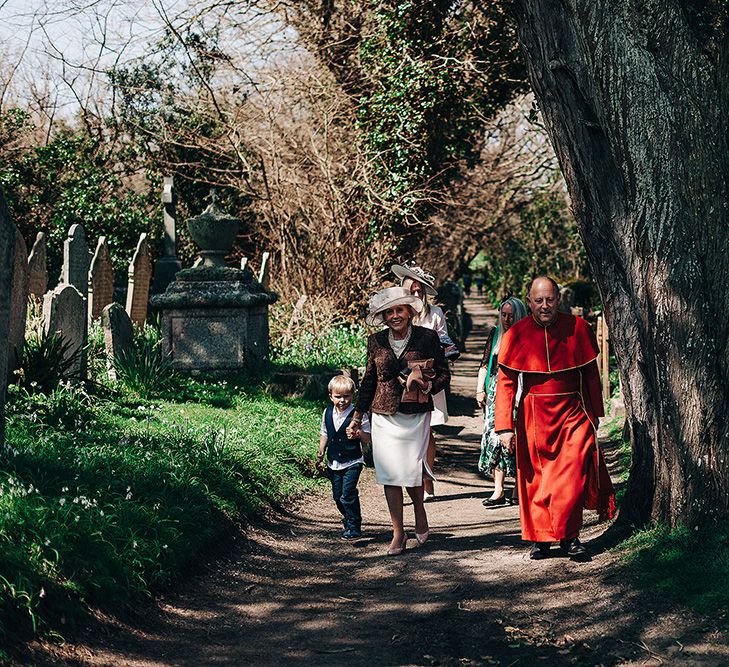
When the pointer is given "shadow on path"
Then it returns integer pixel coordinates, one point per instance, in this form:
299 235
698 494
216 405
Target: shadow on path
293 593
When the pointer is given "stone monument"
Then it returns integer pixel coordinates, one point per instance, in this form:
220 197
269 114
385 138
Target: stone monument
18 305
7 262
214 317
37 267
167 266
75 270
118 335
101 280
64 312
140 276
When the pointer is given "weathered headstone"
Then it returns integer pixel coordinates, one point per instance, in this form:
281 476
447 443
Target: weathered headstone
263 273
101 280
118 334
64 312
18 305
243 262
7 260
37 267
198 263
167 266
76 259
140 275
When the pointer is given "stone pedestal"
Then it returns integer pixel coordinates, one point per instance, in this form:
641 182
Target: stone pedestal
215 319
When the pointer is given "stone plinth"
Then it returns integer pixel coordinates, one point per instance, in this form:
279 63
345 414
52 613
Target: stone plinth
215 319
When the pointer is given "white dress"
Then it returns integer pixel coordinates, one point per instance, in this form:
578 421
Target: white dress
435 320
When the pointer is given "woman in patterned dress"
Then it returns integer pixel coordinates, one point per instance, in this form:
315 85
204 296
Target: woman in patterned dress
494 460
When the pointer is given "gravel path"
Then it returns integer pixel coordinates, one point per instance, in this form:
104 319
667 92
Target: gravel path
290 592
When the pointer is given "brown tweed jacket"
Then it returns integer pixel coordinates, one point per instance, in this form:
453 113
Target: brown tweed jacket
381 391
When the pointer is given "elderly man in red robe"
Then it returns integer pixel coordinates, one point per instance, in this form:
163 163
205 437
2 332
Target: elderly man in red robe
548 404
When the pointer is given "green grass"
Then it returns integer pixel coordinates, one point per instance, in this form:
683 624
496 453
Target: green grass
102 502
688 566
691 567
338 347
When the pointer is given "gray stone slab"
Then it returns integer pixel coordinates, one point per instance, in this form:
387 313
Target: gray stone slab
140 277
101 280
7 261
64 312
118 334
18 305
75 270
37 267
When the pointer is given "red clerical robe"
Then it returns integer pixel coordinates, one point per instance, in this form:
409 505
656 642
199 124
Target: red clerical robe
560 468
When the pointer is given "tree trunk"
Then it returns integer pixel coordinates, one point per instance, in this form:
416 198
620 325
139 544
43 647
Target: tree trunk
634 95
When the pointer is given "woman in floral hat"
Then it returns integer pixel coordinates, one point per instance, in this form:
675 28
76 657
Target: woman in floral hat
405 367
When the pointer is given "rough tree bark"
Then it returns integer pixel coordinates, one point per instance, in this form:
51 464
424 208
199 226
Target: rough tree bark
634 95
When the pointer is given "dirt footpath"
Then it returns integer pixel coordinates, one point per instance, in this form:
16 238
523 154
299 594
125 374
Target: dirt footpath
290 592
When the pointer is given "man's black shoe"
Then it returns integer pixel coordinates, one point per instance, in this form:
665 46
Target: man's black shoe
539 550
573 548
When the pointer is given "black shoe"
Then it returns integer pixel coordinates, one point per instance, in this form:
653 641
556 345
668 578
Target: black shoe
490 502
539 550
573 548
514 501
351 534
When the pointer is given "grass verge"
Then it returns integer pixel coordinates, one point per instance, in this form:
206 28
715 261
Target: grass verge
103 502
688 566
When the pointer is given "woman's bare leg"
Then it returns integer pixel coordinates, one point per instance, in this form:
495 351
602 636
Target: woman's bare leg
421 518
430 458
393 495
498 484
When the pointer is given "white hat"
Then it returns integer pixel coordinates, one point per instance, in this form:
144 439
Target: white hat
388 298
415 273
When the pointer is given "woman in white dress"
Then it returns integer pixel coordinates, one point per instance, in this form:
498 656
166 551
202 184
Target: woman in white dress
405 367
421 284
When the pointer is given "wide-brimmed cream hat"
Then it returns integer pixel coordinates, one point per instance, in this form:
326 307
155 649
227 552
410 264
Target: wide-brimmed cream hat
389 298
415 273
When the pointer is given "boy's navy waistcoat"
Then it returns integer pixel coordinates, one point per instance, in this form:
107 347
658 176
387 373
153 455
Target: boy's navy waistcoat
339 447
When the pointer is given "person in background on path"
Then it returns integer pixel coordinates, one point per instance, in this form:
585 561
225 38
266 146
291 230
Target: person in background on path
421 284
548 375
494 459
467 284
405 367
479 284
344 454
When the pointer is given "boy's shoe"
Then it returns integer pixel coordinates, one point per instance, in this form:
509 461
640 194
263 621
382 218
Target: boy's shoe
351 534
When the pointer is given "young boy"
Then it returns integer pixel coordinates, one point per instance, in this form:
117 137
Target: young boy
344 456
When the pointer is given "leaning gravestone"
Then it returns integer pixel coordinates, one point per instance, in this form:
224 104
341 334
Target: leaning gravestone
64 312
75 269
18 305
7 260
140 275
37 267
118 334
101 280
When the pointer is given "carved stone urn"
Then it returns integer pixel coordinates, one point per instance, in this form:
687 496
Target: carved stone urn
214 232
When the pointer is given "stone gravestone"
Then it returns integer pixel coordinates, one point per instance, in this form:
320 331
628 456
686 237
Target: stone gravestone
167 266
101 280
75 269
140 275
7 261
18 305
243 262
64 312
118 334
263 274
37 268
